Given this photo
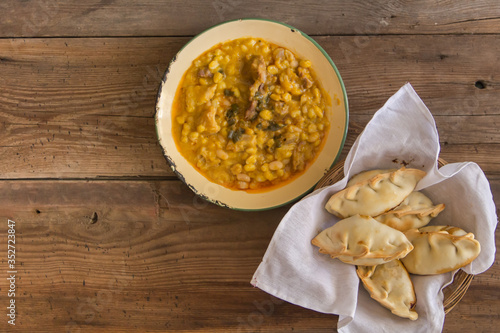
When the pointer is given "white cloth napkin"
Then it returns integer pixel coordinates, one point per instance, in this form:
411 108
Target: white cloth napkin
402 130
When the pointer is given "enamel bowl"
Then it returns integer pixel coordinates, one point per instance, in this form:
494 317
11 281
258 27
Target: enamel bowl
326 73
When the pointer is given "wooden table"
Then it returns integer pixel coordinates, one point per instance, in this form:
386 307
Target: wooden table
109 240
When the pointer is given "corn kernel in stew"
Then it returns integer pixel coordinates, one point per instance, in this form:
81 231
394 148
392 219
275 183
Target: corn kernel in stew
245 110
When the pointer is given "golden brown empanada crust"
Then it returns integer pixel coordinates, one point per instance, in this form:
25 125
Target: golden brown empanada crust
376 195
391 286
360 240
440 249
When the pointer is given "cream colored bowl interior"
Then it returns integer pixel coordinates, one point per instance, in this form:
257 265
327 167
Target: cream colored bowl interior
304 48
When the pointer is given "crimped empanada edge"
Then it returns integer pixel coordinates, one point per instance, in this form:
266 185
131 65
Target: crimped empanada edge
371 291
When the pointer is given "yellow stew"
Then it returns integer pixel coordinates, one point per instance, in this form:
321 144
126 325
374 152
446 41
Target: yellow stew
249 114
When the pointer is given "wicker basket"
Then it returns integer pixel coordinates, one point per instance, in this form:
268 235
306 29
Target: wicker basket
461 281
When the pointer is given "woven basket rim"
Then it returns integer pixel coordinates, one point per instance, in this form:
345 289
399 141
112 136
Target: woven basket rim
452 293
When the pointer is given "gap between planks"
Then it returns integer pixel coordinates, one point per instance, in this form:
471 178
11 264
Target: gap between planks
310 35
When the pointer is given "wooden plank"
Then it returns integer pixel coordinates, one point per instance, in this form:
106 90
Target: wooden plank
484 154
74 110
67 112
151 18
167 259
154 257
458 130
443 70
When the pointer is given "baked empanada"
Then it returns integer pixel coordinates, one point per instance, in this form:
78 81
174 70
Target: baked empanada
439 249
414 212
360 240
365 175
391 286
376 195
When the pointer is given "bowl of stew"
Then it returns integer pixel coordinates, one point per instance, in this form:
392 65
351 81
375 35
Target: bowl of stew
251 114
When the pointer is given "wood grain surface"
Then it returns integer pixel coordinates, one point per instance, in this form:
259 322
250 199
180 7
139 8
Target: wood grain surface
109 240
61 118
36 18
128 256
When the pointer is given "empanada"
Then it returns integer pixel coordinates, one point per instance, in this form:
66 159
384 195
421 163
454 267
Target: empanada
439 249
376 195
391 286
365 175
414 212
360 240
